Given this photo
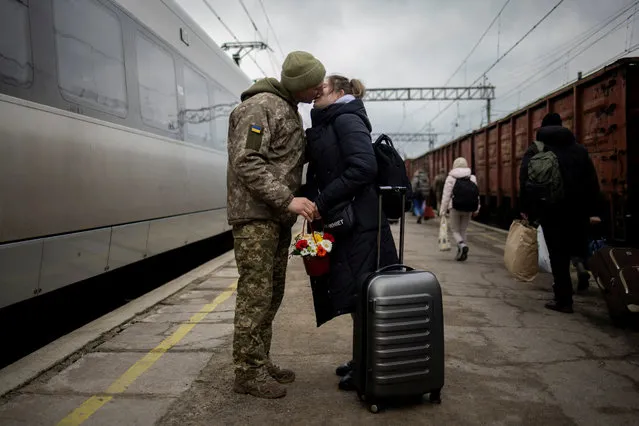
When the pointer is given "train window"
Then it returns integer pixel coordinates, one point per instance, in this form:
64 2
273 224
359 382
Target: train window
90 55
158 90
196 97
224 103
16 66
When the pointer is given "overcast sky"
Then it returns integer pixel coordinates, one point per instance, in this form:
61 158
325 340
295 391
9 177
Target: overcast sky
413 43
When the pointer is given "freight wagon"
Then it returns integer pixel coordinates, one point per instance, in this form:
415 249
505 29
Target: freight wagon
602 110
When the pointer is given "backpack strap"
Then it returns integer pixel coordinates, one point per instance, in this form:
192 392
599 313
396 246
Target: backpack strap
540 146
384 138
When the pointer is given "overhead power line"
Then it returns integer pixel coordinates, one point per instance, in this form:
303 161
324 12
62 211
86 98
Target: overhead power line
478 43
565 50
471 51
530 81
268 21
499 59
208 5
274 62
520 40
542 63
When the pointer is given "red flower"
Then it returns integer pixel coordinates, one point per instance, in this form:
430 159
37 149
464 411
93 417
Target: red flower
321 252
301 244
329 237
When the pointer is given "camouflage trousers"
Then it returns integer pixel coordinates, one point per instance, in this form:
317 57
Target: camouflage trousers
261 254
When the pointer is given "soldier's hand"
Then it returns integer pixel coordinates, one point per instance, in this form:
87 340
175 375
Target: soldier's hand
303 207
316 213
595 220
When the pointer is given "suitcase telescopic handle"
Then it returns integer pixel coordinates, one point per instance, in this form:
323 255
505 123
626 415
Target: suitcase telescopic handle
396 267
398 189
390 189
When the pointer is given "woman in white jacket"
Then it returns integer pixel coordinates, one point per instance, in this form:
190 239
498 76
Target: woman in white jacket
459 219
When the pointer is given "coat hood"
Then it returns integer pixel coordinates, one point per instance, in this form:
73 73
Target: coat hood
460 172
555 136
269 85
331 112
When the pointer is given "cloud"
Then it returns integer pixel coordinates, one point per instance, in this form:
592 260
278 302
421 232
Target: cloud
409 43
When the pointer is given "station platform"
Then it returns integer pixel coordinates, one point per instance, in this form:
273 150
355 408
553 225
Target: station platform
509 361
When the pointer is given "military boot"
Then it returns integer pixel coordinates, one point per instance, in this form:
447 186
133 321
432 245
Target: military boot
282 375
259 383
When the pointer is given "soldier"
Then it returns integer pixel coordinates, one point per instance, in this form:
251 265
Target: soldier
266 146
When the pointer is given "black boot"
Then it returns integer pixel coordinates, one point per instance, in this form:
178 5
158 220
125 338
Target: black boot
555 306
347 383
344 369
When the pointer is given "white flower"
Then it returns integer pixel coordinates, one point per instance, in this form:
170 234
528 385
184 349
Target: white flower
312 249
327 245
304 252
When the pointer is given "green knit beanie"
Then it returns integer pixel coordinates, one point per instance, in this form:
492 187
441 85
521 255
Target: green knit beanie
301 71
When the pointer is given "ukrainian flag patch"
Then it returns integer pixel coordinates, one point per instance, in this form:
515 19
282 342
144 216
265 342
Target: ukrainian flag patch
254 137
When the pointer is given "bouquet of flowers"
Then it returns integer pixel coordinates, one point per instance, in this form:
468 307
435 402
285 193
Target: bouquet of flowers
314 248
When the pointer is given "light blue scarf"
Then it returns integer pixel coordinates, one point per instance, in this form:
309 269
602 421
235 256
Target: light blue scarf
345 99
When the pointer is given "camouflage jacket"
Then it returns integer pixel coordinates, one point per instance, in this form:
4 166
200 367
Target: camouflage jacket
266 145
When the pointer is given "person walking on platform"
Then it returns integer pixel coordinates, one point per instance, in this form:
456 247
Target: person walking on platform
421 188
266 155
560 190
461 197
438 186
341 178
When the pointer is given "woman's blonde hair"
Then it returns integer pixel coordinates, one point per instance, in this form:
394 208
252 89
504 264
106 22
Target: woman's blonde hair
350 87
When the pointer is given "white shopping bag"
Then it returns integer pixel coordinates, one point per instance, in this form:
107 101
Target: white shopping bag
543 256
444 243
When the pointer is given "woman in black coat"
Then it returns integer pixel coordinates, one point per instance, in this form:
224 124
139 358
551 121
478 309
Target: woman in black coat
342 170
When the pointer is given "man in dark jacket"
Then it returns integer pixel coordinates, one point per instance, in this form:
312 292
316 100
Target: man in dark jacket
565 224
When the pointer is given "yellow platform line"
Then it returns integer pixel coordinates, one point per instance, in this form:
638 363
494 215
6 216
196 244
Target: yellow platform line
93 404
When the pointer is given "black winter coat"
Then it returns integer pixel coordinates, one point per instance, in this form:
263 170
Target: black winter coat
342 165
581 185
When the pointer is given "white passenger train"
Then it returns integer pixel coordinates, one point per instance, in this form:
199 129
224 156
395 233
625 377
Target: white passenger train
113 125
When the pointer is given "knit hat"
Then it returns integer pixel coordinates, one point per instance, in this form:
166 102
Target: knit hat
460 163
301 71
551 119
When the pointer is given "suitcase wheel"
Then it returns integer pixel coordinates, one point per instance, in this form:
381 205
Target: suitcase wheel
436 397
374 408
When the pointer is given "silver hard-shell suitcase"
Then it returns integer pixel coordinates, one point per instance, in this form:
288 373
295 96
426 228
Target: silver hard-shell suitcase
398 346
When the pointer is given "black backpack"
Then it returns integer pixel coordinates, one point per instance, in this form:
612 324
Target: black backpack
391 171
465 195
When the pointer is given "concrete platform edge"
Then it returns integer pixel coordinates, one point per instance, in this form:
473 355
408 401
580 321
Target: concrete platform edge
31 366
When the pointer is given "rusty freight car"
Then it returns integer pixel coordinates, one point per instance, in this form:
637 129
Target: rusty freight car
602 110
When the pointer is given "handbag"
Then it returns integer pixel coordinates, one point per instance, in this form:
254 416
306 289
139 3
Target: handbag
341 218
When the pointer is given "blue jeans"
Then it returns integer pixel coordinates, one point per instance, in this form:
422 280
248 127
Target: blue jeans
417 208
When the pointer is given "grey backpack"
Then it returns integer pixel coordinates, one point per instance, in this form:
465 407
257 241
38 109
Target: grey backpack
545 184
